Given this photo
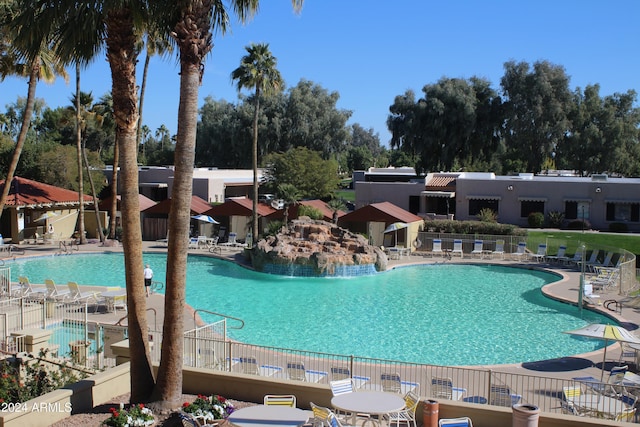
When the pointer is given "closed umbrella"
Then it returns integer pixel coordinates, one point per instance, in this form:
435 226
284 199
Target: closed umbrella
46 215
394 227
606 333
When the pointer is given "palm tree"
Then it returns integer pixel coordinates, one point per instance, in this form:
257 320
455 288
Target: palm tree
257 71
191 28
290 195
41 65
335 205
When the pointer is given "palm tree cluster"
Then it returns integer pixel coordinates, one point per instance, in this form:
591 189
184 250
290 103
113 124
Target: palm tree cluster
58 34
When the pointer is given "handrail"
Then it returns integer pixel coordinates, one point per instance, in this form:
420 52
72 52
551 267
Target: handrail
156 286
155 318
195 313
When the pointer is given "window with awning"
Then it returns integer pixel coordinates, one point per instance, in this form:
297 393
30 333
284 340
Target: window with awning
445 194
481 197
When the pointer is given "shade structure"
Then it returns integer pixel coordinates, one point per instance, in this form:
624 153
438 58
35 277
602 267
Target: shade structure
46 215
607 333
205 218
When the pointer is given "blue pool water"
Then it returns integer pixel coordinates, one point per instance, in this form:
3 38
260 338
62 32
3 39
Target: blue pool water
439 314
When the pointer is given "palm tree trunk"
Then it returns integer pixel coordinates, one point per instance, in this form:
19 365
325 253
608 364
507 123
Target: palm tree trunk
114 191
24 128
82 238
143 87
96 208
121 53
168 390
255 165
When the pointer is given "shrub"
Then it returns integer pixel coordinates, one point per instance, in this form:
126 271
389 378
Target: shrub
556 219
535 219
473 227
136 415
309 211
618 227
211 408
487 215
579 224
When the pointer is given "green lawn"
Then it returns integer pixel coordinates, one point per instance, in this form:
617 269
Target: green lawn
572 240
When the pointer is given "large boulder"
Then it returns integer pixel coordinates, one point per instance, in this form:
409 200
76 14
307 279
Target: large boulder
318 244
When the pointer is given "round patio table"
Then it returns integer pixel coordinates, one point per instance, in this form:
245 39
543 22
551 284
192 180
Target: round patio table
268 416
368 402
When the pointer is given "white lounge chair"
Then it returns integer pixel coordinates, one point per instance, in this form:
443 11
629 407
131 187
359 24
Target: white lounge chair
499 249
54 293
76 295
437 247
541 254
592 259
521 251
605 263
457 248
560 256
588 294
477 248
297 371
340 373
502 396
26 289
443 388
249 365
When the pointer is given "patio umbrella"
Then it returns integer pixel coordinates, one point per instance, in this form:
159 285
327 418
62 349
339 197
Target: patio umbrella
205 218
606 333
395 227
46 215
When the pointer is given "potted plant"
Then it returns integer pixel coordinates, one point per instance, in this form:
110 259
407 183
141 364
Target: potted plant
208 409
136 415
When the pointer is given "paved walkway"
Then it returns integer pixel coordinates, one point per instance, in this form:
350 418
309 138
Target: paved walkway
565 290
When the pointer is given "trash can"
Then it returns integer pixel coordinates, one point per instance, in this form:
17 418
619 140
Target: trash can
525 415
430 413
79 351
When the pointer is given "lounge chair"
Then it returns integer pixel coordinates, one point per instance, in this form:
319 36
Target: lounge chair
614 387
569 395
193 243
457 248
249 365
442 388
499 249
588 294
55 293
577 257
502 396
391 382
541 254
75 295
280 400
408 414
297 372
560 256
340 373
592 259
455 422
605 263
437 247
606 279
477 248
26 289
521 251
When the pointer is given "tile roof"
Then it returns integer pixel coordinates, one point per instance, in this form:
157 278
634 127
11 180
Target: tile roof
317 204
441 181
28 193
380 212
198 206
145 203
239 207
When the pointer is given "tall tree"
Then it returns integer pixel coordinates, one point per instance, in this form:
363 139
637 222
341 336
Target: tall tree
79 119
40 63
536 107
257 71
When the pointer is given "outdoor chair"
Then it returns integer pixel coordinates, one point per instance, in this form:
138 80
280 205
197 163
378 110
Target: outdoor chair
324 417
53 292
559 257
499 249
250 365
457 248
341 372
391 382
437 247
280 400
408 414
541 254
442 388
76 295
477 248
521 251
296 371
455 422
502 396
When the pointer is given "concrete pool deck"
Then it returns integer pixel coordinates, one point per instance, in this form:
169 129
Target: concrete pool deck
566 290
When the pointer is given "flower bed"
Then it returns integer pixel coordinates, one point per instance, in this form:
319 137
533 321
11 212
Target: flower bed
209 409
136 415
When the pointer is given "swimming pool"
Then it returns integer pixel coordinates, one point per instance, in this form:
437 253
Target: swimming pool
445 314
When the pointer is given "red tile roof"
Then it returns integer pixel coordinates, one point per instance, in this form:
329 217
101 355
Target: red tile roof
380 212
198 206
437 182
145 203
239 207
28 193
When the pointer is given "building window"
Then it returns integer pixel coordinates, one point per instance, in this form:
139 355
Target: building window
577 210
476 205
528 206
623 212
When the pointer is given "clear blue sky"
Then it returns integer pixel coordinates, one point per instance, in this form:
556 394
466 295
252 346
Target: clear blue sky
371 51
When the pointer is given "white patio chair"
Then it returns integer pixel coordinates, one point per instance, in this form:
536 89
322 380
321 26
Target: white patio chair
457 248
477 248
499 249
521 251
